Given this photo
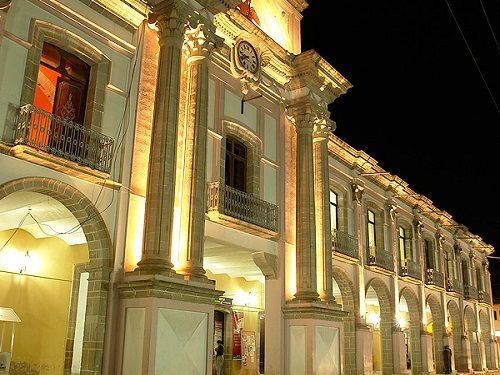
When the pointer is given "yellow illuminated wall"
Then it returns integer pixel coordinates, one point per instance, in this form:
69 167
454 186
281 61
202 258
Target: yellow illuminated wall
40 296
278 22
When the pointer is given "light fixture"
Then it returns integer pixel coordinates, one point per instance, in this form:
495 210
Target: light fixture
25 261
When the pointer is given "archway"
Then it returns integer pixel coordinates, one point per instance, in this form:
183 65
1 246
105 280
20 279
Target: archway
380 315
455 327
344 294
410 322
471 332
435 325
484 322
84 337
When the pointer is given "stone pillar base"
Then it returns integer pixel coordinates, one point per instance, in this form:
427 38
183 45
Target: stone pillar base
427 357
364 349
156 313
313 333
399 352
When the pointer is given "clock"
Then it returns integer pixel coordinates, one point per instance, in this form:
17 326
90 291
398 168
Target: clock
247 56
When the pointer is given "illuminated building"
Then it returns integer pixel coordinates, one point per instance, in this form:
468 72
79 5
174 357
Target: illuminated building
170 177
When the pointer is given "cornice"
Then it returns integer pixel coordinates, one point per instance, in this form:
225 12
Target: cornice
300 5
364 166
313 72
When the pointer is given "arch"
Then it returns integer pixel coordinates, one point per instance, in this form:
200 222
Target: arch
350 304
484 323
386 322
99 266
471 331
456 333
438 331
254 148
42 32
414 328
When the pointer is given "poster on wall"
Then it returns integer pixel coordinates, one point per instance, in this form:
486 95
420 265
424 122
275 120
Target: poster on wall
248 357
238 317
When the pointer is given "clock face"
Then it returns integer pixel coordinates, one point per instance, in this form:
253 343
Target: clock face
248 56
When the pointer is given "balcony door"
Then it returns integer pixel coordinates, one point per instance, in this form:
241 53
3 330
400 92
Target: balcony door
61 90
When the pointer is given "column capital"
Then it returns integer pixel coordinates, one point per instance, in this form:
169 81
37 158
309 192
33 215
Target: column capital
309 113
392 207
323 127
170 18
200 40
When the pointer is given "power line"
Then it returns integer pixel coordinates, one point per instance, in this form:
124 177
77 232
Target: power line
473 58
489 25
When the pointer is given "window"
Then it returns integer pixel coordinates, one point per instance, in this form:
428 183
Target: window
371 232
404 244
465 272
429 254
479 279
236 164
334 211
495 314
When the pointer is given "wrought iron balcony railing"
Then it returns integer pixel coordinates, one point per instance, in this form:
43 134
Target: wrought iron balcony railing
434 277
454 285
411 268
379 257
242 206
470 292
66 139
484 297
344 243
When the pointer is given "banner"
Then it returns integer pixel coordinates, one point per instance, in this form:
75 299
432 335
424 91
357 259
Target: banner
238 317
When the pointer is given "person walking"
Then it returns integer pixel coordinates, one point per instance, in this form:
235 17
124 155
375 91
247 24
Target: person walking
447 359
219 358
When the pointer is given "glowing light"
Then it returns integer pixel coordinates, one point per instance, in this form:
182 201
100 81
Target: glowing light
17 261
373 319
243 298
135 228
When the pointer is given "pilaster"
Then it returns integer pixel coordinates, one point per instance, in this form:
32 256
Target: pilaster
170 17
200 40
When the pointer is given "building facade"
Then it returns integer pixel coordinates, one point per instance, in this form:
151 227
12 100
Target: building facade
170 177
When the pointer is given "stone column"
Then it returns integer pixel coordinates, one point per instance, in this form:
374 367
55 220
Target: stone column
200 41
398 350
170 17
427 355
321 133
305 222
364 349
466 360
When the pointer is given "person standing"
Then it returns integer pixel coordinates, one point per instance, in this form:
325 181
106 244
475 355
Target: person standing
447 359
219 358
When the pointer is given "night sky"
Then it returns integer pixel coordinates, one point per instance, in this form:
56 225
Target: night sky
425 102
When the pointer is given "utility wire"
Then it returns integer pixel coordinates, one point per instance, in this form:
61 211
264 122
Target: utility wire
473 58
489 25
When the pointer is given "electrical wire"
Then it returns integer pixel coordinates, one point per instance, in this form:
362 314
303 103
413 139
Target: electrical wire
489 25
15 231
473 58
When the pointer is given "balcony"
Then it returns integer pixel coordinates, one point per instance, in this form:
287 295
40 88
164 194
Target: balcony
241 210
470 292
344 243
484 297
434 277
378 257
46 132
412 269
454 285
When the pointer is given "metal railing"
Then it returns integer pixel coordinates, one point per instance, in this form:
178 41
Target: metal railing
242 206
470 292
484 297
411 268
434 277
454 285
344 243
379 257
55 135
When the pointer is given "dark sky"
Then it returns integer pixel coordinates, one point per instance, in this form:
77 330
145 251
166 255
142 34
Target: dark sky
422 104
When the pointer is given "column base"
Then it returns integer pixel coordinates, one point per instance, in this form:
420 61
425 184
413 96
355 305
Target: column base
313 333
156 312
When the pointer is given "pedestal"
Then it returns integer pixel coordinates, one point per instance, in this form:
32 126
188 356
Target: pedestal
166 326
399 352
428 366
466 360
364 349
313 333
